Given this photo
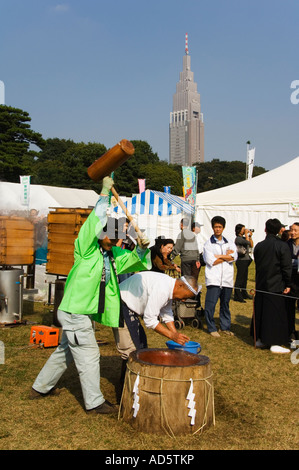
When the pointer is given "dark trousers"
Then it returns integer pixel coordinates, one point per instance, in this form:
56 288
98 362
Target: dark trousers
135 328
270 319
188 268
240 292
291 311
213 294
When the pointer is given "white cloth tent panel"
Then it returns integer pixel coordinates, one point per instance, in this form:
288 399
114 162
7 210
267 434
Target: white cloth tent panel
43 198
154 226
252 202
277 186
169 227
73 197
252 219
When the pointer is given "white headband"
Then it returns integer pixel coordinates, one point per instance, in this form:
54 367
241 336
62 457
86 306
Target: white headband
190 287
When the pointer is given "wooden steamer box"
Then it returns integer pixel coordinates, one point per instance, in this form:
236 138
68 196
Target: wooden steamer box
63 228
16 241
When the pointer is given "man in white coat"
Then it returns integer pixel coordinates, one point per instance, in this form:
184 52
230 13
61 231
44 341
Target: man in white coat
219 255
150 295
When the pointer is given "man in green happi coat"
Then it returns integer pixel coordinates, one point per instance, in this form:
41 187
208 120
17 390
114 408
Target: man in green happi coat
91 294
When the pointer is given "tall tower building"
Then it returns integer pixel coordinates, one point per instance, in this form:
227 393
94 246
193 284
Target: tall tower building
186 128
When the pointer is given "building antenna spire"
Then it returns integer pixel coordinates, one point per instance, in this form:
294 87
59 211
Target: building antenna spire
186 44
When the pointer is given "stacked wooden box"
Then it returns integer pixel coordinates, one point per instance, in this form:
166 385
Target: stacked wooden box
16 241
63 228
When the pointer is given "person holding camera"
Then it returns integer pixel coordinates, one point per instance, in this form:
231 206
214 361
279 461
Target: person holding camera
243 242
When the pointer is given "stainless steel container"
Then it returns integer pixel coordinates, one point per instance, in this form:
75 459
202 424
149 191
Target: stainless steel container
11 295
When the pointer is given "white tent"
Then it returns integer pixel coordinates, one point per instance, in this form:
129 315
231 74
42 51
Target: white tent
43 198
157 213
274 194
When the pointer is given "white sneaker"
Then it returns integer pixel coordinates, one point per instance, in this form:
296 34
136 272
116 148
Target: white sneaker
279 349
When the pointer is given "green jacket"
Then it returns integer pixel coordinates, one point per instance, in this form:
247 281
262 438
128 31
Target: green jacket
82 288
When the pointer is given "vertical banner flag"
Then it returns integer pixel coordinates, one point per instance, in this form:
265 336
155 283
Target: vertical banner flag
189 182
141 184
25 190
250 162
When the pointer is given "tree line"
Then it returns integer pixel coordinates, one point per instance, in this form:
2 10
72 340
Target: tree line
64 163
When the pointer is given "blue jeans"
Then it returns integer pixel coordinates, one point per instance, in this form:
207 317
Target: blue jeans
78 344
213 294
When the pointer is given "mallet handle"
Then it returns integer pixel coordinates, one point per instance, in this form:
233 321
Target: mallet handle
128 215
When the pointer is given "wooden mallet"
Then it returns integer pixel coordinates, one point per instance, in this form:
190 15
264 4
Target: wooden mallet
109 162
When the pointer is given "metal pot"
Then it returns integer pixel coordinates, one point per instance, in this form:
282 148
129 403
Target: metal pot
11 295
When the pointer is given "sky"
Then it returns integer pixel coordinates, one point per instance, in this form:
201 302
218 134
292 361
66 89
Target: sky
102 71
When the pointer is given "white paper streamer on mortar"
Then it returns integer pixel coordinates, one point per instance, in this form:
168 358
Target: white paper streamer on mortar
136 397
191 404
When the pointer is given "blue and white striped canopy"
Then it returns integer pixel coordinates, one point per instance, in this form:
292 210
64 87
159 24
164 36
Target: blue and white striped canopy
152 202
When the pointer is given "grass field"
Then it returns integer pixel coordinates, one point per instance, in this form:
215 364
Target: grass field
256 394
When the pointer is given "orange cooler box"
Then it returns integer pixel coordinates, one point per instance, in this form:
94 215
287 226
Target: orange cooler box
45 335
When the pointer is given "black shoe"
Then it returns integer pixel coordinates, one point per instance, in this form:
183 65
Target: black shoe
35 395
103 409
247 296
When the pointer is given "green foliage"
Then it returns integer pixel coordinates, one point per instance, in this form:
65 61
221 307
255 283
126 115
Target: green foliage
218 173
126 177
16 137
64 163
162 174
145 164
